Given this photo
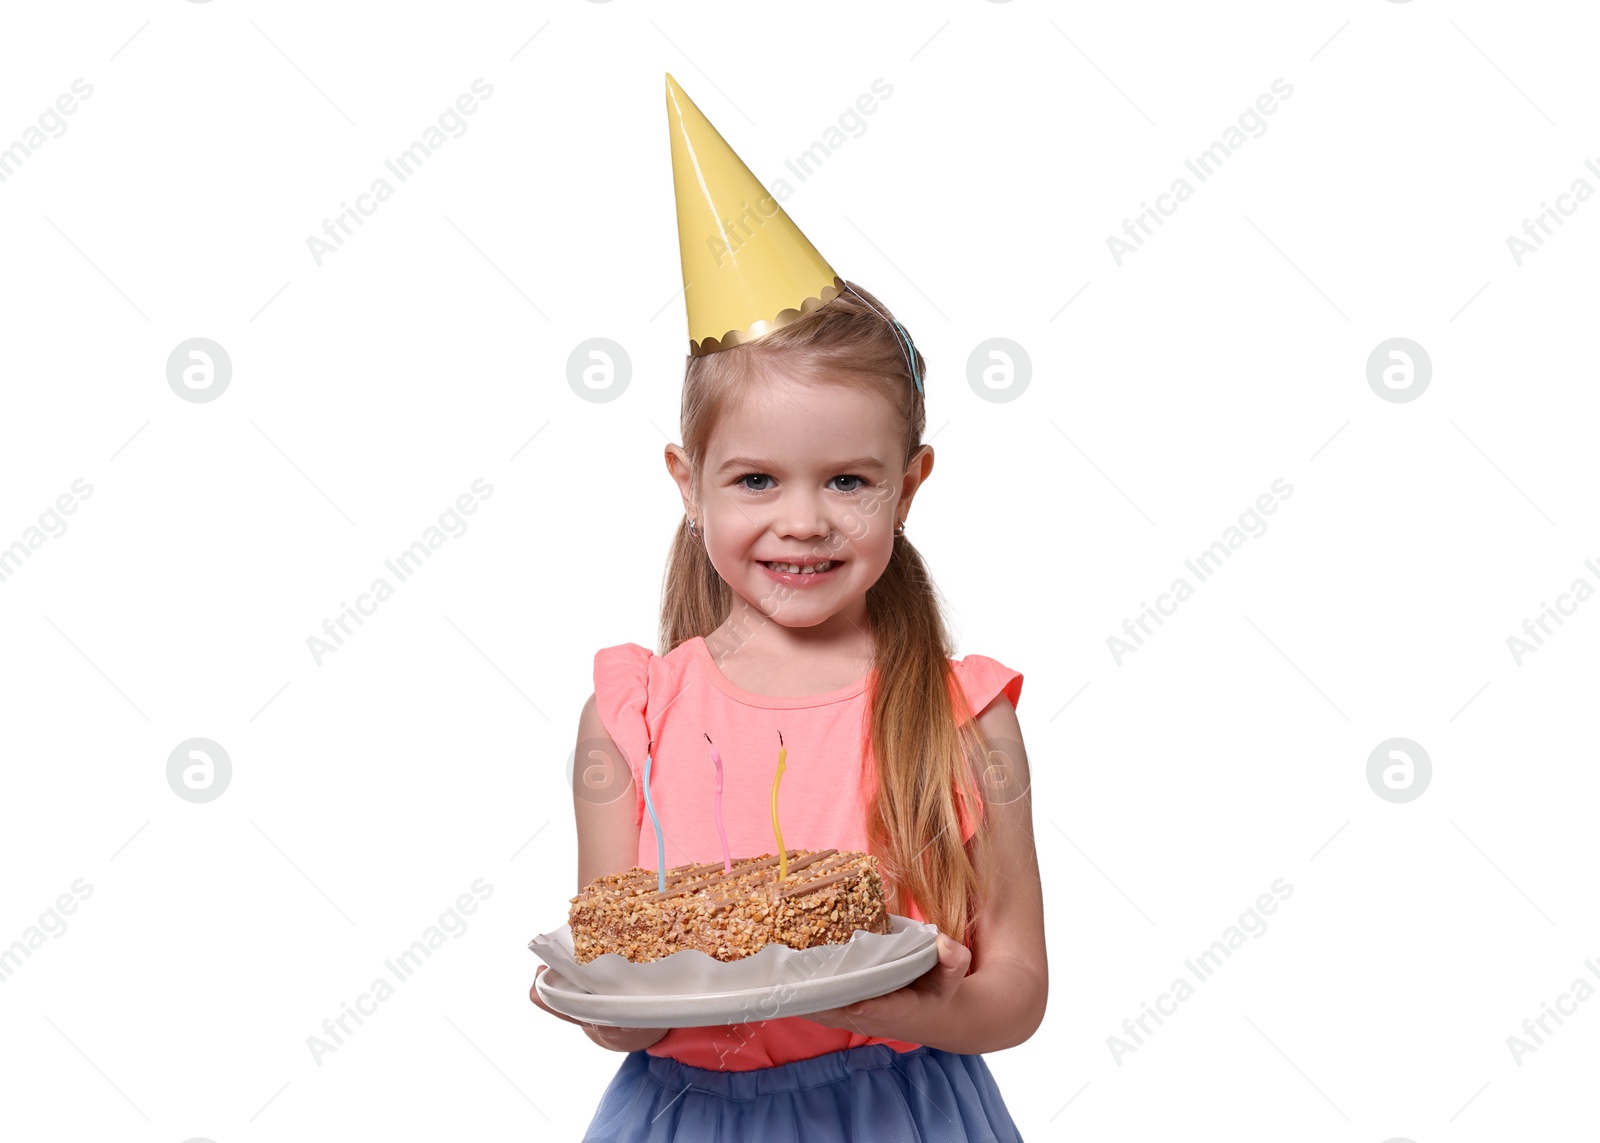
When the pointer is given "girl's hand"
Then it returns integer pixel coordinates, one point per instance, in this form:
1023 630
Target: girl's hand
912 1013
607 1036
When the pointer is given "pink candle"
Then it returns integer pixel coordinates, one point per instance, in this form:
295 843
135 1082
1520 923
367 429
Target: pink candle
716 760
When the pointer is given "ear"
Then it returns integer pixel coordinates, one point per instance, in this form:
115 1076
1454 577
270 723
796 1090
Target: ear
917 470
678 465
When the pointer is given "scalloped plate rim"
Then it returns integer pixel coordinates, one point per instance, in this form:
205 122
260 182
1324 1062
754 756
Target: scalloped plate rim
861 934
710 1009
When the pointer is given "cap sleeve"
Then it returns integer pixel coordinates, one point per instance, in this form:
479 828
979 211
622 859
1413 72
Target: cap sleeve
621 675
982 680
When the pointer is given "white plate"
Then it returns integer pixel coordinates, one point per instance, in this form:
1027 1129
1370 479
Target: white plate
692 972
744 1006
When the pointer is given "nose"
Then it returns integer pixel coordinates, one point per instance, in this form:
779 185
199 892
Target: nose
803 516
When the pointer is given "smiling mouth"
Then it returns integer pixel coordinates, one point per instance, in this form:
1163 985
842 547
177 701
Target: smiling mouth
825 565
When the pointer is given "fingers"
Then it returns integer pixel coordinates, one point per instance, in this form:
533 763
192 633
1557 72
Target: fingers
842 1018
954 956
533 995
615 1035
946 975
606 1035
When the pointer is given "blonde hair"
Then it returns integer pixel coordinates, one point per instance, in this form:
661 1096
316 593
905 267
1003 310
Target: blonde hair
922 756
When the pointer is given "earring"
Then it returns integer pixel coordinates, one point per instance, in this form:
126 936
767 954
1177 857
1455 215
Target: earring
899 528
694 532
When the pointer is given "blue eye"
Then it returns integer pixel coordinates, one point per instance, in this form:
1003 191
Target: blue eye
861 482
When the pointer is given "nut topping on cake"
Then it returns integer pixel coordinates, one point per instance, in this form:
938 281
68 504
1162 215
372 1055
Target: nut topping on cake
827 896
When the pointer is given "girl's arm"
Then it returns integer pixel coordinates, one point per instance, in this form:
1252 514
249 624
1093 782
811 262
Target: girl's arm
1002 1002
608 840
608 837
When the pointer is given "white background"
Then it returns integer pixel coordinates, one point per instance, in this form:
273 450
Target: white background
368 392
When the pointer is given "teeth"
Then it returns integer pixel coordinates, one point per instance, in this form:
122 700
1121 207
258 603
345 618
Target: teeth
796 568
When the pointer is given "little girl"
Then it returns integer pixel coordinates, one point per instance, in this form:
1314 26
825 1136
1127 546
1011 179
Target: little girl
802 447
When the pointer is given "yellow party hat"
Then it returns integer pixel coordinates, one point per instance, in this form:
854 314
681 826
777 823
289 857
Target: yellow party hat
747 269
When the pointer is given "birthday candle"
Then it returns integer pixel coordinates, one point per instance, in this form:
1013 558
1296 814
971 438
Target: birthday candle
716 760
661 845
783 856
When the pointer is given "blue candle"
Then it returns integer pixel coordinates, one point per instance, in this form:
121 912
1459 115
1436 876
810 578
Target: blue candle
655 822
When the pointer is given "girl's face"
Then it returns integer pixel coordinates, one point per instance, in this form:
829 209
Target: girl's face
808 475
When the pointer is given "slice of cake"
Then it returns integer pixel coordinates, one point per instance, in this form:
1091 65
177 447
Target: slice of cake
826 896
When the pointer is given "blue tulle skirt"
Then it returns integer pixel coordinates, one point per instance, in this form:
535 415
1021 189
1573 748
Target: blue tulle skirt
870 1094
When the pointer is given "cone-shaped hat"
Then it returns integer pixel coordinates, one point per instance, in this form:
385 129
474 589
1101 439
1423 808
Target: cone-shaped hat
747 269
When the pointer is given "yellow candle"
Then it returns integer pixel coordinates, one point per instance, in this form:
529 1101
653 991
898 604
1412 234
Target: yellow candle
783 856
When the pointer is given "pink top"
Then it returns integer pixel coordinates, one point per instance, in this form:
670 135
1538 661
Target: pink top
673 701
